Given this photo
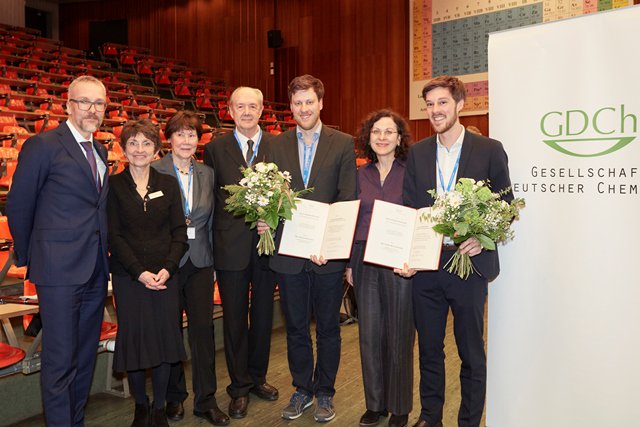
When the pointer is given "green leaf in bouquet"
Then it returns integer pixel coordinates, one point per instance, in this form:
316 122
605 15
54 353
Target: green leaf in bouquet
462 228
271 218
486 242
484 194
443 229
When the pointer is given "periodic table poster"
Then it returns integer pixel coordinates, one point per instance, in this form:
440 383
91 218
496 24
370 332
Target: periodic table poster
451 36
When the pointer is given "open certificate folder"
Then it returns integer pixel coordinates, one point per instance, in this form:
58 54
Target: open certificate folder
320 229
399 235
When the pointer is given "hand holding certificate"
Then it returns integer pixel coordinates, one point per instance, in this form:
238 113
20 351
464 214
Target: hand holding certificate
320 230
399 235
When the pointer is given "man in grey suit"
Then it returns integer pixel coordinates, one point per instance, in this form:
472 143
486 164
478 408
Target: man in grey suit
437 163
323 158
241 272
196 274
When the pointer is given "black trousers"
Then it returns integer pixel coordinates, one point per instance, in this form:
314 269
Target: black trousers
302 296
196 299
247 301
387 335
434 292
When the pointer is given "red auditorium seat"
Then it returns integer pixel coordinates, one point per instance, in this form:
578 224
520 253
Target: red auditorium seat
28 290
10 355
21 134
43 125
9 170
7 120
108 330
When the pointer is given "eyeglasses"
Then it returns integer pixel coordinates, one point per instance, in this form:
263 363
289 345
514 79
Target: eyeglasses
384 133
85 105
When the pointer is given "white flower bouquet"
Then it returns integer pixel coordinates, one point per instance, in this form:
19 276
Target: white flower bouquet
472 210
263 193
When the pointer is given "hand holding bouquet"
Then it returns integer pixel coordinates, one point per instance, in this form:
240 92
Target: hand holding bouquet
263 193
472 210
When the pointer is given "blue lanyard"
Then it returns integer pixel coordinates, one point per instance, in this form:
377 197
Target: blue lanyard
308 155
453 173
187 208
256 144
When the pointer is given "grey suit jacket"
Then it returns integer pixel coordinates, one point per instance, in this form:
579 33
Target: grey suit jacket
481 159
333 178
201 248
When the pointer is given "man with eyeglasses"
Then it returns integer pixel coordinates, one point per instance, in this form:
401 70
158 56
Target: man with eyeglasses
245 281
57 216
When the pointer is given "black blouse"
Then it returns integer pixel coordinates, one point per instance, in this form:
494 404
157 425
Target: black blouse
145 234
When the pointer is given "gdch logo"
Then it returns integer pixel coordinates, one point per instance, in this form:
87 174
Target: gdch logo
579 134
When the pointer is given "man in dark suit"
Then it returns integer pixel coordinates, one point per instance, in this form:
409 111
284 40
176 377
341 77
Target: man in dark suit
57 216
437 162
321 158
240 271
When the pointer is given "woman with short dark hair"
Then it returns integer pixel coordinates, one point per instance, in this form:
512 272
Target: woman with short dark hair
147 238
196 180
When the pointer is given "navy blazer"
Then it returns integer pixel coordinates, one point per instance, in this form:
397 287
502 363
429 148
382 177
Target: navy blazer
57 218
333 178
481 159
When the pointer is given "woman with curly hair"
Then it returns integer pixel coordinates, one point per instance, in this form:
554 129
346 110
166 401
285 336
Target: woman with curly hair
385 313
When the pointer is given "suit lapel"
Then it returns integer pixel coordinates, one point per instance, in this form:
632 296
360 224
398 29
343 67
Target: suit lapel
465 155
233 150
293 159
102 152
69 143
430 165
322 150
197 186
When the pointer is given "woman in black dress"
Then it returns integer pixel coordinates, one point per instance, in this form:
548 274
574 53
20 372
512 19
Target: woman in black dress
147 236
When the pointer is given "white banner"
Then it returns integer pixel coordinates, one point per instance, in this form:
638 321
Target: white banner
564 314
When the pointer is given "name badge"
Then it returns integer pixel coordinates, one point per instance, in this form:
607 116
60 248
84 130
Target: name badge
156 194
191 233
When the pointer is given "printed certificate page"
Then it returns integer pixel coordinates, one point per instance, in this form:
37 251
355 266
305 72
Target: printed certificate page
426 245
398 235
339 230
317 228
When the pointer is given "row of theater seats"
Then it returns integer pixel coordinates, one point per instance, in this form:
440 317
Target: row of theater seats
34 75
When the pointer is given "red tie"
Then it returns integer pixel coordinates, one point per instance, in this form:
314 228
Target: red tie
88 148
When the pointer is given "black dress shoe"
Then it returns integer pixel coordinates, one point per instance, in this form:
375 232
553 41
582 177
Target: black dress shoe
398 420
175 411
238 406
371 418
215 416
423 423
265 391
141 415
158 418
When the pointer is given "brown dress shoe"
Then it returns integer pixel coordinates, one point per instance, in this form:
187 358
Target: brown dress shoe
265 391
174 411
398 420
423 423
215 416
238 406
